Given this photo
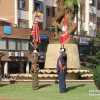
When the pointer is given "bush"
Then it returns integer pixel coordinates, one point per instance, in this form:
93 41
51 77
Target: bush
96 77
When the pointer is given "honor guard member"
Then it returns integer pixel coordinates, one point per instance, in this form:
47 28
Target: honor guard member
61 70
35 69
1 55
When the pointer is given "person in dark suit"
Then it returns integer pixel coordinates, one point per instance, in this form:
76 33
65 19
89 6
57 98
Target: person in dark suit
61 69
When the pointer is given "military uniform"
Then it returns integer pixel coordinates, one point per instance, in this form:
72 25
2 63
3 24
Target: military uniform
1 54
34 70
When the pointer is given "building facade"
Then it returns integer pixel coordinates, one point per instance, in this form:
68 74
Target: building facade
15 46
20 13
88 22
16 18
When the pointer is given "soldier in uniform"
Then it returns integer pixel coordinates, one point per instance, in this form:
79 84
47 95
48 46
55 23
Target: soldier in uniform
35 69
61 69
1 55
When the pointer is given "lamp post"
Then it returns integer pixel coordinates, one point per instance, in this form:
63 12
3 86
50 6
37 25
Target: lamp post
91 24
1 55
90 1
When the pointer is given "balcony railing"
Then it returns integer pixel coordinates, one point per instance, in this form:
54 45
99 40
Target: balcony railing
83 33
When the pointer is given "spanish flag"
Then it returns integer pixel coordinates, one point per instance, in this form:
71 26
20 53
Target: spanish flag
35 32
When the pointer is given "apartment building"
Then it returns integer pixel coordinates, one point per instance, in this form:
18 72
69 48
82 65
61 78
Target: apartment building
16 18
88 21
20 13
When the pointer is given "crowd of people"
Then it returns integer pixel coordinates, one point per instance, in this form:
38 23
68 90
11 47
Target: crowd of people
5 76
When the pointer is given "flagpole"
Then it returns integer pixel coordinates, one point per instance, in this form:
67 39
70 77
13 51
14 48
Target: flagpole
35 33
62 45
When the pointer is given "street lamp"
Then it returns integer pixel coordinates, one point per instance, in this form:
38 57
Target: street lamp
90 1
90 23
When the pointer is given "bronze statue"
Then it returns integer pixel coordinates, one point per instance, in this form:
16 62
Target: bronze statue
69 14
57 19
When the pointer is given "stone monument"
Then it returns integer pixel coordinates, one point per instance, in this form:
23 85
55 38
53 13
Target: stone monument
52 54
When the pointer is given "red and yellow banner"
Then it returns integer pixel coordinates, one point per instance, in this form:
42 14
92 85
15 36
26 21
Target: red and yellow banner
37 13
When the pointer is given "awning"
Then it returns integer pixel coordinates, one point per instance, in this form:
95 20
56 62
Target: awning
44 36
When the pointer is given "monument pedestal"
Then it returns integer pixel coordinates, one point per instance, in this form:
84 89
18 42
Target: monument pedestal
72 76
52 55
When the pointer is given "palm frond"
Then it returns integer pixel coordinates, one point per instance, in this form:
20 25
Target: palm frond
70 3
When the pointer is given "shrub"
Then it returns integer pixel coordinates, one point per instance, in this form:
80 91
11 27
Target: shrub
96 77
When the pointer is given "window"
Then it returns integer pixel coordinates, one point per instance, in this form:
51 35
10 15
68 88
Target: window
11 44
3 44
24 44
98 5
43 46
22 4
38 6
53 12
82 49
48 11
18 43
92 17
98 21
93 3
22 24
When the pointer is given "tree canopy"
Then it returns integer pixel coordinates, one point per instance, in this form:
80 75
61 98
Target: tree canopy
92 55
70 3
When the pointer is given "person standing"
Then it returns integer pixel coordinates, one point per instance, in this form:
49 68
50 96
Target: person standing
61 70
35 69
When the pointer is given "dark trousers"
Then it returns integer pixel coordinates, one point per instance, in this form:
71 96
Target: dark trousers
62 83
34 80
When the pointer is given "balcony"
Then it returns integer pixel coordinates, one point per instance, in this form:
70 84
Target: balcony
83 33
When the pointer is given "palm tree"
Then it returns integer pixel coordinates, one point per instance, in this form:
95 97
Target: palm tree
65 6
70 3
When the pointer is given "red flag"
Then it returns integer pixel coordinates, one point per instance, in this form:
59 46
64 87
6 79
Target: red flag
36 34
65 34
